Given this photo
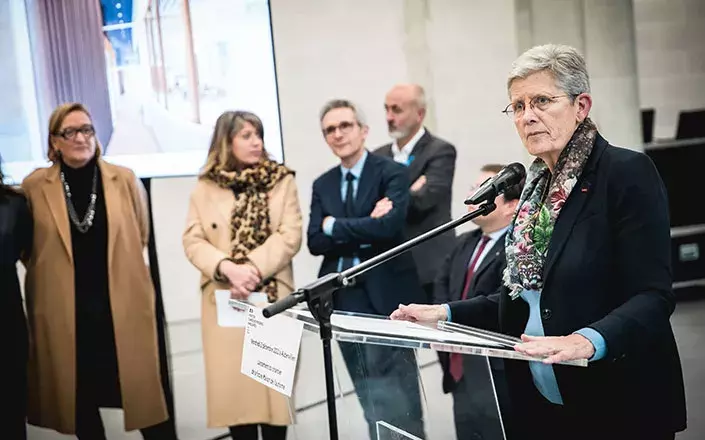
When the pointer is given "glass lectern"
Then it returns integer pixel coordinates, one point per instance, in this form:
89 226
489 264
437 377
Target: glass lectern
371 401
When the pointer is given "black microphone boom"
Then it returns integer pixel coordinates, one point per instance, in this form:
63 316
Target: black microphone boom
507 177
319 296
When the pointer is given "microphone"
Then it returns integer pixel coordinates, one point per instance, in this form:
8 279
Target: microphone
508 176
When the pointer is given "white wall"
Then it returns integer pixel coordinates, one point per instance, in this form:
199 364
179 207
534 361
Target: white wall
603 31
670 37
322 52
473 44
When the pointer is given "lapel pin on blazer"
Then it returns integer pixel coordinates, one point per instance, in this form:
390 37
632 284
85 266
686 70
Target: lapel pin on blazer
585 187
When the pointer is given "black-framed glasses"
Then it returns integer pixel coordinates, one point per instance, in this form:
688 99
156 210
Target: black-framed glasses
540 102
345 127
70 133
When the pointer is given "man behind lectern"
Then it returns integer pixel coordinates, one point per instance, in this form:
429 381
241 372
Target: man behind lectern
474 268
358 210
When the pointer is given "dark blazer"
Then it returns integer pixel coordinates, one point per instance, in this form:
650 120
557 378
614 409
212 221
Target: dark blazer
429 207
608 268
16 226
451 280
390 283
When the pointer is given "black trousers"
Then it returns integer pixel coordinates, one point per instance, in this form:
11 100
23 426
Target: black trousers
250 432
536 417
477 403
89 425
385 378
15 344
13 417
98 382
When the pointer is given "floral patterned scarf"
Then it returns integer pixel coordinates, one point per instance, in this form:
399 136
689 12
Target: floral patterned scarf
539 206
250 226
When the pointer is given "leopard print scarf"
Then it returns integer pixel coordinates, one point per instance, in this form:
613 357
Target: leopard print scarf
540 204
250 226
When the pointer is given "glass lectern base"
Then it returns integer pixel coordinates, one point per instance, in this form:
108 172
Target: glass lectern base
385 431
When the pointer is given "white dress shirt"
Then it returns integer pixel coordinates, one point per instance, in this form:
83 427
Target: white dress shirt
494 236
402 155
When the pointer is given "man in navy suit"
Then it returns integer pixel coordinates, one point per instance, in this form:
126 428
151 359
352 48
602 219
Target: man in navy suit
474 268
358 210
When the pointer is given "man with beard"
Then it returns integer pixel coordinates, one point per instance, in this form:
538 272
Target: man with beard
430 163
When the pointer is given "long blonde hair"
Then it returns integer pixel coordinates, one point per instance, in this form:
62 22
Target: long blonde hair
220 154
57 118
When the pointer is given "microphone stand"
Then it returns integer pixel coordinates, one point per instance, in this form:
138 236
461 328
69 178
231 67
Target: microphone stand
319 297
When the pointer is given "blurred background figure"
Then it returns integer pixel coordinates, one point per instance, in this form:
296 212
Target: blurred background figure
90 298
474 268
15 243
242 231
430 162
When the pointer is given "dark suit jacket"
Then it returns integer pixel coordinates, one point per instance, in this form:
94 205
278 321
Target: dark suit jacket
16 226
608 268
429 207
390 283
451 280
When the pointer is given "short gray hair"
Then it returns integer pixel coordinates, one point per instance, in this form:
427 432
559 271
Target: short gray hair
343 103
565 63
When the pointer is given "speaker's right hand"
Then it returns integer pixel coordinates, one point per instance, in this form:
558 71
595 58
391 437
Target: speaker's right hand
420 313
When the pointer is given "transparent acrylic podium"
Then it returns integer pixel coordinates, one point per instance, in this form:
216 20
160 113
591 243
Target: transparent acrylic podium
388 381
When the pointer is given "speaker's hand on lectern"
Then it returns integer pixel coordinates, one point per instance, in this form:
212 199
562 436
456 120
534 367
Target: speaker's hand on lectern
556 348
420 313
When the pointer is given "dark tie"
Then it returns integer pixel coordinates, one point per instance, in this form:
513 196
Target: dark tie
472 266
349 211
456 359
349 197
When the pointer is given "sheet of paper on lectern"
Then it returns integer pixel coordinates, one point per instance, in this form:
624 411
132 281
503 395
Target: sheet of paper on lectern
271 350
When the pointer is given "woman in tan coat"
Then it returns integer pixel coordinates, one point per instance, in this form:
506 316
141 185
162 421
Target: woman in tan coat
90 299
243 229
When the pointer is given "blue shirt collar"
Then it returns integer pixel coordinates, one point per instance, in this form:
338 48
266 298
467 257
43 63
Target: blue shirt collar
356 169
494 236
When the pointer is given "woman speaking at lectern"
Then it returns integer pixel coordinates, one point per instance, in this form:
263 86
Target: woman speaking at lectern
588 272
243 230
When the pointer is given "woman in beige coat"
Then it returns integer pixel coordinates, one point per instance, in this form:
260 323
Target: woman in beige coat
243 229
90 299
